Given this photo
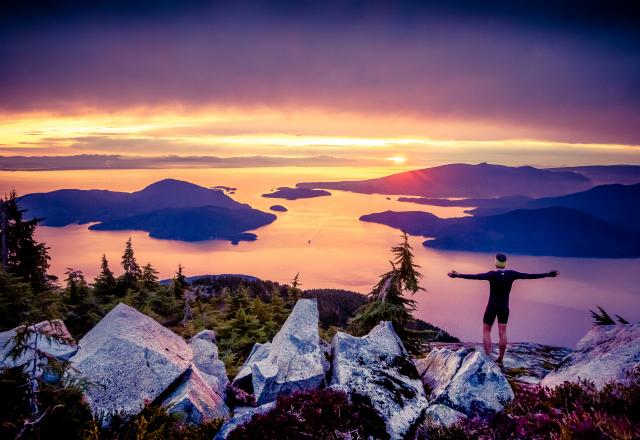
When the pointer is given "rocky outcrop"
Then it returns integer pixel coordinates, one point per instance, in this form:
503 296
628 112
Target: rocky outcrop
465 380
129 360
378 368
195 400
205 358
294 361
524 362
444 415
242 416
53 341
243 379
607 353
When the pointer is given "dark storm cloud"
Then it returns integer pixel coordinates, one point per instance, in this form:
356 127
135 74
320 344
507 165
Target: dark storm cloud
564 70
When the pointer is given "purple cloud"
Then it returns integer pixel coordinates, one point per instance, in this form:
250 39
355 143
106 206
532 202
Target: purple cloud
540 79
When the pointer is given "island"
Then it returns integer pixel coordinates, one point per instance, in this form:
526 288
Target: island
169 209
278 208
494 202
287 193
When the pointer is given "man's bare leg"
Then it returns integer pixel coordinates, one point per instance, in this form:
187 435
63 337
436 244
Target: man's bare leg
486 338
502 330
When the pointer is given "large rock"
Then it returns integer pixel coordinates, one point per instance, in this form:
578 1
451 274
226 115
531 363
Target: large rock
294 361
524 362
243 379
195 400
205 358
53 341
465 380
129 360
444 415
240 417
378 367
606 354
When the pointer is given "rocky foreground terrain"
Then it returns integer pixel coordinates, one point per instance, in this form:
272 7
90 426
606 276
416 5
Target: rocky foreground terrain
129 361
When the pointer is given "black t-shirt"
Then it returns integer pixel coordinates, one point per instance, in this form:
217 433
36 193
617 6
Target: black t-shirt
500 282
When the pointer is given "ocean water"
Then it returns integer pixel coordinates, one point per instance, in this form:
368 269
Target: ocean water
324 241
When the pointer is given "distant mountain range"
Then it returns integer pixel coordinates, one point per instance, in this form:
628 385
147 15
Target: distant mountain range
616 203
601 222
619 204
509 202
554 231
603 174
168 209
464 180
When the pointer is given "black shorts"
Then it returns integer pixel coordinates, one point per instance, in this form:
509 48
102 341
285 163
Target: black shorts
492 311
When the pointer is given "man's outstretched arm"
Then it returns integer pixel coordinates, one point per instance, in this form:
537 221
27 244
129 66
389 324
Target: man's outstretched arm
478 276
535 276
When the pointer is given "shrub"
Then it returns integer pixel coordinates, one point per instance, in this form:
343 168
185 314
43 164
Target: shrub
153 423
571 411
238 397
317 415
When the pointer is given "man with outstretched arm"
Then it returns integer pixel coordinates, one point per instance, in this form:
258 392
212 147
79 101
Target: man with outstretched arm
500 282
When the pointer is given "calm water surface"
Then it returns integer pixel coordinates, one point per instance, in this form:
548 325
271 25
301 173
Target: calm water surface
344 252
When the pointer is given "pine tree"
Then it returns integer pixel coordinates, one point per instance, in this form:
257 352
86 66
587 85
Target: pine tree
129 263
81 306
239 299
149 277
179 283
27 258
16 300
278 306
238 334
132 272
76 286
387 301
260 310
294 292
105 283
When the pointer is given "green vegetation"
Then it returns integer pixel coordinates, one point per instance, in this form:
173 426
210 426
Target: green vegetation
388 301
26 258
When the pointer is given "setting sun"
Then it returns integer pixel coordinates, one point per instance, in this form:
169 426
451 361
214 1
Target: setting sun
397 159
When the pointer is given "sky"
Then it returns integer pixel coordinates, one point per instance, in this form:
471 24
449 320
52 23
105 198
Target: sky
267 83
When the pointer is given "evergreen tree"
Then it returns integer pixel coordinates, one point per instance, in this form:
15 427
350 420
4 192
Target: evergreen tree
76 286
294 292
27 258
149 277
238 334
82 310
239 299
132 271
279 308
105 283
129 263
179 283
387 301
16 300
260 310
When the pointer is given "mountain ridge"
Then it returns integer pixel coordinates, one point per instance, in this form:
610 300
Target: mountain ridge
466 180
